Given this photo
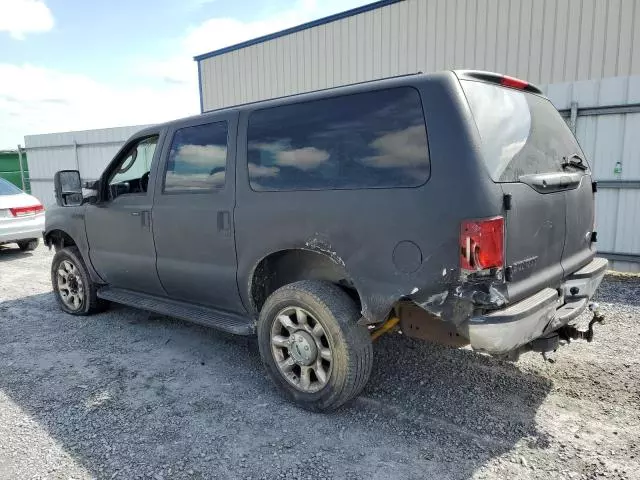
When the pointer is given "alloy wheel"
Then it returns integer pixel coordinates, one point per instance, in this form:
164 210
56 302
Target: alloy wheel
70 286
301 349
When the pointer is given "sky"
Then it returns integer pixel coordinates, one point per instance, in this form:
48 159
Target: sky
78 64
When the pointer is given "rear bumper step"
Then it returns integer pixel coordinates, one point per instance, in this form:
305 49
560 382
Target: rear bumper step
505 330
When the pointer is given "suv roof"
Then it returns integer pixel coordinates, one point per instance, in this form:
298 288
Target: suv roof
331 91
387 82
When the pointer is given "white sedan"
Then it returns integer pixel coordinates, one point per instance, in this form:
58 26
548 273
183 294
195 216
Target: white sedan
21 217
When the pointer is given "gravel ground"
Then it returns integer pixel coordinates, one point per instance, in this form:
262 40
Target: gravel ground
126 394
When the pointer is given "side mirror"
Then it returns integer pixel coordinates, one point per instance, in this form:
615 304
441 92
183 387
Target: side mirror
68 188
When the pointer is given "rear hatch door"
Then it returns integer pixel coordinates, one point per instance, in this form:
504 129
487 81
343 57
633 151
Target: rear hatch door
530 152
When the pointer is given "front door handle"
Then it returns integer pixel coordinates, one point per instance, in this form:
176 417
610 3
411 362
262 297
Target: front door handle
145 218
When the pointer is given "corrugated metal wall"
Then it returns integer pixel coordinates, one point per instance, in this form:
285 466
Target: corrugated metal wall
606 140
544 41
88 151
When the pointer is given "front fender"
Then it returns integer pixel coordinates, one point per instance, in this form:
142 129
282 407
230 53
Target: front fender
70 222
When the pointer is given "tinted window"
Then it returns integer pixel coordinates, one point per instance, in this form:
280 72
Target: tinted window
521 133
7 188
368 140
197 159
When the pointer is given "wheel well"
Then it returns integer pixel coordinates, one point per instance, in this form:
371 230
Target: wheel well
288 266
59 239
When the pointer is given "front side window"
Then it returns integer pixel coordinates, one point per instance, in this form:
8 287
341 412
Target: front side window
197 159
132 173
367 140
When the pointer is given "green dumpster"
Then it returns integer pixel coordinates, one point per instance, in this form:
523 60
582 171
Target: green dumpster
11 170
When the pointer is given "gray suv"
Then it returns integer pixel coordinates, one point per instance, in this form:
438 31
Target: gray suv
457 205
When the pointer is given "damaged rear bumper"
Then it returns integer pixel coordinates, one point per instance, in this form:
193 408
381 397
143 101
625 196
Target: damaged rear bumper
507 329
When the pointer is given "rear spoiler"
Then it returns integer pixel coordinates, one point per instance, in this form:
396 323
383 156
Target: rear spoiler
499 79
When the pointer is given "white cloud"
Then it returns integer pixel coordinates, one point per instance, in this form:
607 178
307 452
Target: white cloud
39 100
19 17
405 148
200 181
306 158
207 156
217 33
258 171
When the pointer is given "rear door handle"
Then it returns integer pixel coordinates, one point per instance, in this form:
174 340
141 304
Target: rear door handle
224 222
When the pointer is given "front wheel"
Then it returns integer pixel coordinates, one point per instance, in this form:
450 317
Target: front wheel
312 346
72 286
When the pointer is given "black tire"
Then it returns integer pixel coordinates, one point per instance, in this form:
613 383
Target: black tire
350 343
28 245
91 303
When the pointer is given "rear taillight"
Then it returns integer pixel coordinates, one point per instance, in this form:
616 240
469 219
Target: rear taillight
25 211
482 244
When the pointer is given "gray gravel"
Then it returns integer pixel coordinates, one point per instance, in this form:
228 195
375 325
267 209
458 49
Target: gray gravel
126 394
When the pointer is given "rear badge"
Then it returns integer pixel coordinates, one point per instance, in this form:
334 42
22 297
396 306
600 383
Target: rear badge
522 265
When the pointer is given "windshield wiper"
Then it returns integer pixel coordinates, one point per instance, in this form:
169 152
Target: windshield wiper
574 160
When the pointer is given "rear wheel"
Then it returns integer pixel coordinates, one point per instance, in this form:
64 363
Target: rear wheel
72 285
311 344
28 245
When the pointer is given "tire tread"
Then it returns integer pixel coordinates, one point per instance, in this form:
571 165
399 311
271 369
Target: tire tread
358 358
95 304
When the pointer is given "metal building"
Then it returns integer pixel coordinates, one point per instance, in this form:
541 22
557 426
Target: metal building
605 116
584 53
543 41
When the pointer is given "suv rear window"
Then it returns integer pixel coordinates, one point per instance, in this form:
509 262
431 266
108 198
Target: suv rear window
367 140
521 133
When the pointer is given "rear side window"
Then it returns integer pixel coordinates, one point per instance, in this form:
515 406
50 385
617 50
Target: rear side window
7 188
367 140
197 159
521 133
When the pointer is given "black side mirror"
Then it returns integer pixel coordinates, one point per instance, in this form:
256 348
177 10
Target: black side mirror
68 188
